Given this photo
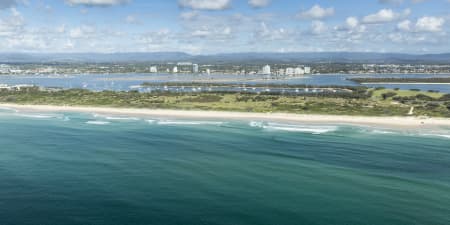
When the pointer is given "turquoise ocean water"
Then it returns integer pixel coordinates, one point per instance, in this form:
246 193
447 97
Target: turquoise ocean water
69 168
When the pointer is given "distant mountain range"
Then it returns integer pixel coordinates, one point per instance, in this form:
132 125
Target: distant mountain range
243 58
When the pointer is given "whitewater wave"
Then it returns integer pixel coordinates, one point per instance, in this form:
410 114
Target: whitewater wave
8 109
40 116
423 133
382 132
175 122
116 117
98 122
301 128
436 135
313 129
256 124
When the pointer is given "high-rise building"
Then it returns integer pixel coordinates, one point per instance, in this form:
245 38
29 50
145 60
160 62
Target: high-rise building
266 70
195 68
175 69
307 69
299 71
290 71
153 69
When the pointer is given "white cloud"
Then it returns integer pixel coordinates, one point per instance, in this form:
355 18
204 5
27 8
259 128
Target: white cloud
318 27
84 31
205 4
189 15
102 3
385 16
404 25
352 25
132 19
316 13
4 4
258 3
430 24
397 2
352 22
265 33
13 24
61 29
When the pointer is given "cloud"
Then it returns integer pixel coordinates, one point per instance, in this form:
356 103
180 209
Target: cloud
100 3
396 2
205 4
430 24
132 19
84 31
13 24
385 16
6 4
404 25
316 13
265 33
258 3
423 24
189 15
352 25
318 27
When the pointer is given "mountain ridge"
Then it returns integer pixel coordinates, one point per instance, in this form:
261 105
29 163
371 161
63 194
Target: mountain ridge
224 58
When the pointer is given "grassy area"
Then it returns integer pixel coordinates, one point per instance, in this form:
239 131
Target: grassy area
374 80
377 94
367 102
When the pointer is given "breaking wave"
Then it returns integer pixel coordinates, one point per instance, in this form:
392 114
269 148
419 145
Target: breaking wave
40 116
116 117
179 122
313 129
98 122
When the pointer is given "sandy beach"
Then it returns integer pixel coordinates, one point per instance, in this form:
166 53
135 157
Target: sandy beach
390 122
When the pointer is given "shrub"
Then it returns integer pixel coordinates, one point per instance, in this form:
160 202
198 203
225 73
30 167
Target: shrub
432 105
388 95
445 98
424 97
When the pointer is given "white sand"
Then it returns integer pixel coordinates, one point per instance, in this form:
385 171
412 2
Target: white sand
393 122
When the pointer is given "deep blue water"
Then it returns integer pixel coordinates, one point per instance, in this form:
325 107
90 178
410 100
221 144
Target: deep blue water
97 169
123 82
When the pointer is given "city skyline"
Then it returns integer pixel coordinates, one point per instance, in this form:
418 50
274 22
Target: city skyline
224 26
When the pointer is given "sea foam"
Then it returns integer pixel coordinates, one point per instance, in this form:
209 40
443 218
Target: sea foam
179 122
313 129
107 117
98 122
40 116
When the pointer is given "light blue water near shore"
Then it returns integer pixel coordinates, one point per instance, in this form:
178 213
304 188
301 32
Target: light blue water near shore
69 168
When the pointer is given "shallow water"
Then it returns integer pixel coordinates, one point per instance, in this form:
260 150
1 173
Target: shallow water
69 168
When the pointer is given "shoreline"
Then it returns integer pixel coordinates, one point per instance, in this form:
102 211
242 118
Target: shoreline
387 122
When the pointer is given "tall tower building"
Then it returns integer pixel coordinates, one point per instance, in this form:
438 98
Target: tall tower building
266 70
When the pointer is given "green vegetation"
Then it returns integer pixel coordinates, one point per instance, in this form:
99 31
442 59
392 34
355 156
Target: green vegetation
361 101
444 80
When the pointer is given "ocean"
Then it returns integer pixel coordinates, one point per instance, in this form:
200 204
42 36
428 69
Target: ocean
88 169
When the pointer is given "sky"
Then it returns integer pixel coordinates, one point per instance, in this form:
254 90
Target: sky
225 26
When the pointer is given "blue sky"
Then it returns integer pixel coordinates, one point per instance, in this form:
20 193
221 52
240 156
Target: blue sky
224 26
